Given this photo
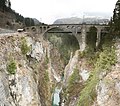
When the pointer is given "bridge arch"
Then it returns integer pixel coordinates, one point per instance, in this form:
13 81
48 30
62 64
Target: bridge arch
71 33
48 29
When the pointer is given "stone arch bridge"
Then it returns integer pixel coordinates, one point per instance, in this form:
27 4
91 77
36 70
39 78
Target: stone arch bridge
78 30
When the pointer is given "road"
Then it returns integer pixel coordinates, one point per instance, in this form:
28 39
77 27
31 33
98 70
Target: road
6 31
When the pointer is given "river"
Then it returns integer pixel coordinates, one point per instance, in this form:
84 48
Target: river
56 97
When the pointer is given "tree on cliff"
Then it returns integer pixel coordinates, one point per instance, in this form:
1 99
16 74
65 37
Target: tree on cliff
116 18
9 4
2 5
5 5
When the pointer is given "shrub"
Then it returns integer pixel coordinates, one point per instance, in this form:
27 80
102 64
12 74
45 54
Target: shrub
11 67
73 80
46 76
75 77
24 47
88 93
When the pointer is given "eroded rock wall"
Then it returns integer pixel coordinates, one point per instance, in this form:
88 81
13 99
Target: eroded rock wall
108 89
23 87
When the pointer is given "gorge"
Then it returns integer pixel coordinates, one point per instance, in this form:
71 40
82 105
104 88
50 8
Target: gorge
72 64
33 67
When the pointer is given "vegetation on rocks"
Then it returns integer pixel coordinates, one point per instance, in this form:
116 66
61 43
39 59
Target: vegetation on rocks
73 87
74 78
5 5
44 84
11 67
46 76
24 47
115 21
65 44
106 59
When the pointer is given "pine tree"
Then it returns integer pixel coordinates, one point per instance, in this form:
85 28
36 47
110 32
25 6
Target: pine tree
9 4
116 18
2 5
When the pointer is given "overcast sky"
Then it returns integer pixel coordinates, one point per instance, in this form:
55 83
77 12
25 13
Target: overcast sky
48 11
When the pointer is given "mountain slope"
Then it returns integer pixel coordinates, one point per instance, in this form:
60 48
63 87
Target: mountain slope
75 20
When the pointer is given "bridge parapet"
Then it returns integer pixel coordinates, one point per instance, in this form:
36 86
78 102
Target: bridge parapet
65 27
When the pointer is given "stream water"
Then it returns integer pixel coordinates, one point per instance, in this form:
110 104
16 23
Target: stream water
56 97
57 91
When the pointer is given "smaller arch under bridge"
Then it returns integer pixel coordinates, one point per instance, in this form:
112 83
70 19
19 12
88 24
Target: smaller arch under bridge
78 30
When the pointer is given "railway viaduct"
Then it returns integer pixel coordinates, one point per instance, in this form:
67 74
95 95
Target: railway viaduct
78 30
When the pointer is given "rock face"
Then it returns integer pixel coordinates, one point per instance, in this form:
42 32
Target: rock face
108 89
72 90
29 69
37 51
76 62
22 88
71 65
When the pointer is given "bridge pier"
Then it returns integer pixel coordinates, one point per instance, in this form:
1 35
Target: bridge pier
40 29
82 38
98 37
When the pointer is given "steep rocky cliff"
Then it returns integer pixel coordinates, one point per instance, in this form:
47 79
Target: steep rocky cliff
26 75
93 81
108 88
31 68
